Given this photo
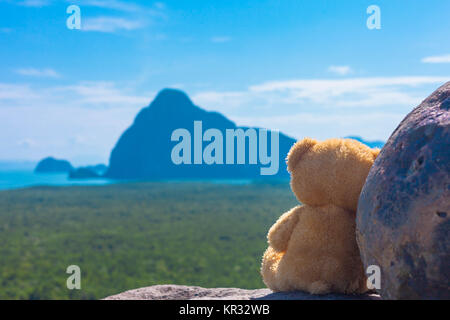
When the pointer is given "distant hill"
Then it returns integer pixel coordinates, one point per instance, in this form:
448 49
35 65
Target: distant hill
144 149
83 173
88 172
52 165
98 168
372 144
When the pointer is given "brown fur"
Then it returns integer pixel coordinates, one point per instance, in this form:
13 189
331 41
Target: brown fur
313 247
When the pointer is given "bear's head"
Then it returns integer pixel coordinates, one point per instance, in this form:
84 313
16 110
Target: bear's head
329 172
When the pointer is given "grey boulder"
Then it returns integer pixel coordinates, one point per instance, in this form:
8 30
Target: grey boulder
403 211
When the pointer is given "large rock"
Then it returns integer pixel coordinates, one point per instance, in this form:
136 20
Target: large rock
176 292
403 213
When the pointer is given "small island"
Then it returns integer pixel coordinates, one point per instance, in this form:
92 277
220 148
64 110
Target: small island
89 172
52 165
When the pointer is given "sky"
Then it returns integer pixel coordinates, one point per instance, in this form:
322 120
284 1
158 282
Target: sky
305 67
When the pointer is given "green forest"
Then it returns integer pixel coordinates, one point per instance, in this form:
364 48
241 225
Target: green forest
130 235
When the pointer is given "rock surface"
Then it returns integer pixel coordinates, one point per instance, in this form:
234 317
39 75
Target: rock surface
176 292
403 213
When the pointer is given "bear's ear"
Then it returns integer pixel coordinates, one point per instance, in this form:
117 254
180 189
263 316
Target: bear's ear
375 152
297 151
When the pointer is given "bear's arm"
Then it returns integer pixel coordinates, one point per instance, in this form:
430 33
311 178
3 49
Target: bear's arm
280 233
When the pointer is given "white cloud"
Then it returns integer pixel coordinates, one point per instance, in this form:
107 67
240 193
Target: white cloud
27 143
157 9
65 131
104 94
33 3
372 125
70 121
110 24
352 92
42 73
349 92
81 95
340 70
134 16
370 107
220 39
15 92
437 59
111 4
339 86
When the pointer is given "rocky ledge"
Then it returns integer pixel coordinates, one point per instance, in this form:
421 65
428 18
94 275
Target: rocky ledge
176 292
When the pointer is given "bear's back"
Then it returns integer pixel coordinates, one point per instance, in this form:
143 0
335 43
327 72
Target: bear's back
325 229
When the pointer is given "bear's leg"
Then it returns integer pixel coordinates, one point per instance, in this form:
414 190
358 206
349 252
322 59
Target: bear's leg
269 268
358 286
319 287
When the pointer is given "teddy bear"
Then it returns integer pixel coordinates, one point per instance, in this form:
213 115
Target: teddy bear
313 247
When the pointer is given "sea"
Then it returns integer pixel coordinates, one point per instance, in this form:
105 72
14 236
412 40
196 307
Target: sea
16 179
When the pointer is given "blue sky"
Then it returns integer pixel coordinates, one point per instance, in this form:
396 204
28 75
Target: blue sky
307 68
